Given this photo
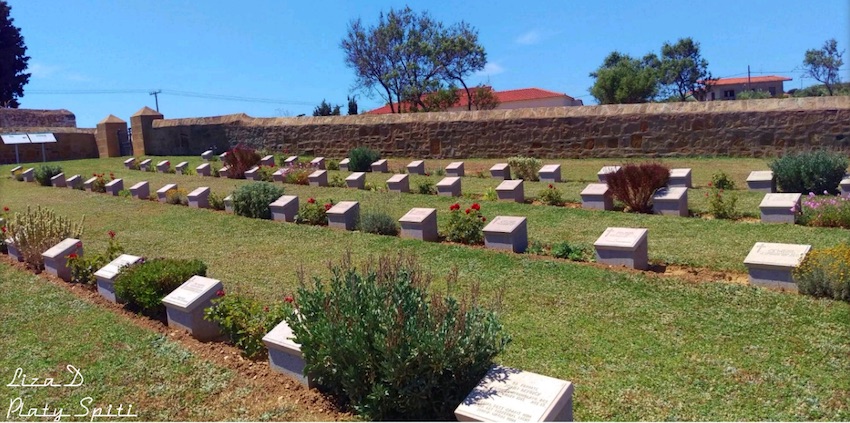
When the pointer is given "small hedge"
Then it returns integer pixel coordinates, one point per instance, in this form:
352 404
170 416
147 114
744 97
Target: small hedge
635 184
145 285
825 273
525 168
360 159
44 173
245 321
252 200
815 171
380 223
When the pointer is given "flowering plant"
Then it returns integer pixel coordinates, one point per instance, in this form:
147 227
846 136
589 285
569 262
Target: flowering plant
465 227
721 205
83 268
245 320
826 210
314 212
552 196
99 184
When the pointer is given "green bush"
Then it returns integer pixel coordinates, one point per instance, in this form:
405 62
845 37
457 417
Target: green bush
36 231
245 321
313 213
265 173
144 285
44 173
465 227
332 164
177 197
525 168
84 268
376 340
216 201
252 200
722 205
426 188
825 273
721 180
635 184
552 196
573 252
490 194
337 181
536 247
377 222
815 171
360 159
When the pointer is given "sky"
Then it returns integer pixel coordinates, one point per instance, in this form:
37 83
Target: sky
272 58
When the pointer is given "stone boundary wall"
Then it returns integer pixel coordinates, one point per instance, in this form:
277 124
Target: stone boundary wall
71 144
751 128
27 118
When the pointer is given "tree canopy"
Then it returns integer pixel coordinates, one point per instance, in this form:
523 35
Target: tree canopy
13 60
823 64
684 72
624 79
326 109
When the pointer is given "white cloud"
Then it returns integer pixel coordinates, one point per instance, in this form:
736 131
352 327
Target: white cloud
531 37
490 69
41 71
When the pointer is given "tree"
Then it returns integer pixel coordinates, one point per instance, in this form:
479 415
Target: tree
483 98
823 64
462 55
440 100
684 72
13 60
623 79
325 109
352 105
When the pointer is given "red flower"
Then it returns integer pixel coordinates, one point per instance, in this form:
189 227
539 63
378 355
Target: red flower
454 207
476 206
311 200
468 210
5 208
709 184
219 293
483 219
72 256
111 234
551 187
289 298
94 174
328 206
266 309
3 229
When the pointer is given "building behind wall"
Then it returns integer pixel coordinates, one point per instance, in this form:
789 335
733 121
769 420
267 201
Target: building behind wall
729 88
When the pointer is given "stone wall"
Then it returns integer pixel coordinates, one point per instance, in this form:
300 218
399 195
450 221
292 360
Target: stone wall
71 144
36 118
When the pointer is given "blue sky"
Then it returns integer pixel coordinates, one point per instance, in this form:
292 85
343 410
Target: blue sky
111 53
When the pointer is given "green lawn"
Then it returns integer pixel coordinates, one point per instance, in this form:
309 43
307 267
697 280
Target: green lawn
637 347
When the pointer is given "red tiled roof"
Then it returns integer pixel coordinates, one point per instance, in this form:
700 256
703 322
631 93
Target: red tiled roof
752 80
508 96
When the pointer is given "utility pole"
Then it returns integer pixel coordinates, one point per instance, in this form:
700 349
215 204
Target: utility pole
156 98
748 79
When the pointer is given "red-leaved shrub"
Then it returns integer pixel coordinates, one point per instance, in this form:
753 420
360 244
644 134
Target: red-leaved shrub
634 185
239 159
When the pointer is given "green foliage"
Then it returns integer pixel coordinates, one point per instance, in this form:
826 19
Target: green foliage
465 227
376 340
574 252
683 70
490 194
536 247
815 171
178 197
360 159
825 273
265 173
145 284
325 109
440 172
13 55
99 184
125 193
721 180
216 201
44 173
525 168
84 268
252 200
752 95
297 173
820 90
337 181
313 213
623 79
352 106
721 204
439 100
245 321
426 188
332 164
826 211
378 222
635 184
36 231
552 196
824 64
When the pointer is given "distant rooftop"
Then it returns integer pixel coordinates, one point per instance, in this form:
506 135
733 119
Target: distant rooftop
751 80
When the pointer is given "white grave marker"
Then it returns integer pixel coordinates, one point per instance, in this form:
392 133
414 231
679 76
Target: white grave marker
106 276
511 190
185 306
399 183
597 197
761 180
420 223
500 171
507 233
772 264
416 167
449 186
550 173
455 169
623 247
780 208
56 258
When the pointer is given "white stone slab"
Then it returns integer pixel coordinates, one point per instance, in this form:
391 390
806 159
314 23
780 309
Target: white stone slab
267 160
760 175
318 162
775 254
845 186
356 180
64 247
550 173
15 169
284 208
380 166
680 177
58 180
343 164
500 171
283 337
781 200
418 215
163 166
455 169
144 164
228 204
291 160
192 293
207 155
252 173
199 198
504 224
111 270
449 186
318 178
114 186
603 173
56 257
595 189
89 183
129 162
416 167
622 238
512 190
399 183
160 193
203 170
285 354
29 175
344 215
671 194
74 182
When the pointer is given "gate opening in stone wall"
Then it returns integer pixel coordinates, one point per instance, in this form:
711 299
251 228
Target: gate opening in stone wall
125 146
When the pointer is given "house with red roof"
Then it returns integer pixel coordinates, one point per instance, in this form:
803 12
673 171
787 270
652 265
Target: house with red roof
509 99
728 88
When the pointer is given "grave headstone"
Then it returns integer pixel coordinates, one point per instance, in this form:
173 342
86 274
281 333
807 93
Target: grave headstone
203 170
163 166
185 307
228 204
845 186
223 157
772 264
89 183
597 197
145 164
511 190
416 167
623 247
550 173
603 173
58 181
285 354
420 223
56 258
399 183
181 167
15 170
511 395
780 208
129 162
279 175
207 155
141 190
680 178
507 233
105 276
449 186
199 198
224 172
253 173
318 178
356 180
344 215
455 169
284 208
291 160
343 164
500 171
161 193
381 166
74 182
318 163
267 160
762 181
672 201
115 186
29 175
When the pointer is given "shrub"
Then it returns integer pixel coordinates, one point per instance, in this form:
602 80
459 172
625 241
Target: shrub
99 184
536 247
825 273
426 188
722 205
216 201
36 231
332 164
525 168
126 193
252 200
84 268
552 196
44 172
465 227
375 339
145 284
573 252
215 169
245 321
313 213
815 171
634 184
135 165
18 175
297 173
721 180
360 159
377 222
239 159
440 172
266 173
337 181
177 197
826 211
490 194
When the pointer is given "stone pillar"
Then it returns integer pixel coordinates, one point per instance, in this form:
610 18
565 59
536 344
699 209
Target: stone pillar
142 124
110 133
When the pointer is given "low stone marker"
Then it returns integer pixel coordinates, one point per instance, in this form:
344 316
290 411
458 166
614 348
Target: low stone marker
511 395
381 166
141 190
185 307
455 169
56 258
623 247
762 181
671 201
129 162
203 170
771 265
550 173
356 180
163 166
181 167
780 208
291 160
115 186
228 204
318 163
416 167
15 169
318 178
597 197
105 276
449 186
500 171
399 183
278 175
224 172
420 223
845 186
29 175
680 178
603 173
88 185
267 160
343 164
199 198
284 208
160 193
253 173
285 354
74 182
222 157
511 190
13 251
507 233
58 181
145 164
207 155
344 215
